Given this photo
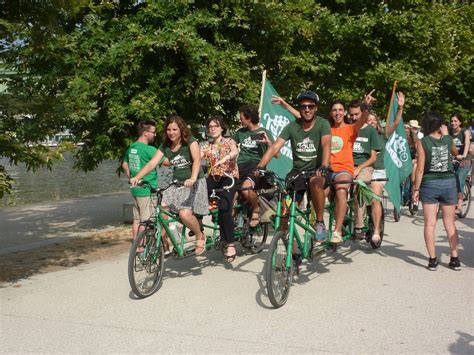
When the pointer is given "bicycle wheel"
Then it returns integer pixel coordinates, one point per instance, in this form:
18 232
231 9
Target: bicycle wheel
382 229
257 237
145 263
278 276
466 201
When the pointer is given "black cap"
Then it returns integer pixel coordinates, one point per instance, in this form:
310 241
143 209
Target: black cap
308 95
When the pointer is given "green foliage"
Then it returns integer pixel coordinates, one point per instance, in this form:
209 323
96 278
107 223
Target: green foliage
98 68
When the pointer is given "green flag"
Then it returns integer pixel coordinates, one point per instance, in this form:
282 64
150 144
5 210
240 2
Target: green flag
274 118
397 157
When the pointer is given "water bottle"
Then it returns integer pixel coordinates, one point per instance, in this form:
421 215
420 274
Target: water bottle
240 221
175 229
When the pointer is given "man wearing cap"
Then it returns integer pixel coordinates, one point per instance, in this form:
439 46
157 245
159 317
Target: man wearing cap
310 138
415 130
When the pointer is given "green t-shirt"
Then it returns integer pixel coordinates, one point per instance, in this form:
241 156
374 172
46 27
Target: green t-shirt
250 149
306 146
459 141
379 164
366 142
137 155
438 158
181 160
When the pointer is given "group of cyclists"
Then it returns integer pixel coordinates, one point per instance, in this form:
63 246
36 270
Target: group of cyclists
348 145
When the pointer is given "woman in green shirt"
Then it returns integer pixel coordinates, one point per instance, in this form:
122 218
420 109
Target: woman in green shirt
462 140
183 153
435 184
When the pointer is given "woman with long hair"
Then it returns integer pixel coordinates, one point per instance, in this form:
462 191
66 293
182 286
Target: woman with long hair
435 184
182 151
462 140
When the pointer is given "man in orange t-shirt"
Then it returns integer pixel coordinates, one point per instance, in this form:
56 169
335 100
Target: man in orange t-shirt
342 163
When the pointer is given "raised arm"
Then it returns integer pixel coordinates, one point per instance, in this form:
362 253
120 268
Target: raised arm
393 126
368 100
279 101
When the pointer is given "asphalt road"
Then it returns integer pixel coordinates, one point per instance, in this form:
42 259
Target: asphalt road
355 300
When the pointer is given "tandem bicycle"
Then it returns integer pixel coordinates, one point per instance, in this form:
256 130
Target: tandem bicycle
146 257
290 247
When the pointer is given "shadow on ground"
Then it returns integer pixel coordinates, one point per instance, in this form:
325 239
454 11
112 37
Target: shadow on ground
68 253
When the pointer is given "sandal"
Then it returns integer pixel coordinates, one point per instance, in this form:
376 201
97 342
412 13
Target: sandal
230 257
200 245
376 238
255 220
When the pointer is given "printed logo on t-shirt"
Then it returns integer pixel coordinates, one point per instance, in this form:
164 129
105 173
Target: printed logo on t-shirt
439 159
457 142
357 147
249 143
306 146
180 162
134 162
337 143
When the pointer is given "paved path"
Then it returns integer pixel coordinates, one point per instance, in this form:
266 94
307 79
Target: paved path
33 226
354 301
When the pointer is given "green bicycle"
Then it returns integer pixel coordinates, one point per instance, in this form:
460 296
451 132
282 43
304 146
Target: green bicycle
290 247
146 257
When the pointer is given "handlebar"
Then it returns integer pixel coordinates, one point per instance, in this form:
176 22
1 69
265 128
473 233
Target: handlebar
225 188
146 184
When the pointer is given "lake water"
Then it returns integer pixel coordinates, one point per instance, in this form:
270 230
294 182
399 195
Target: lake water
63 182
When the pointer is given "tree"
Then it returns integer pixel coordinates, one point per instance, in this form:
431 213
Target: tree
97 68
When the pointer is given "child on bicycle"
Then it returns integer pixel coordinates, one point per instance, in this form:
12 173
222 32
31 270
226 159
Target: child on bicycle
182 151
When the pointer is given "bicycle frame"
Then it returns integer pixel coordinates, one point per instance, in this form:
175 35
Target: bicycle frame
303 243
164 223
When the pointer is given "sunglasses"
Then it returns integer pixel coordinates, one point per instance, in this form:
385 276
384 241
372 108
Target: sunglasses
309 107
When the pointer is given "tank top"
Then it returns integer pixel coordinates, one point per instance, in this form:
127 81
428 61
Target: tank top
438 158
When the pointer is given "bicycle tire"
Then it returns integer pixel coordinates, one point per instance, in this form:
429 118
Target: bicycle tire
277 276
149 264
257 237
466 204
382 229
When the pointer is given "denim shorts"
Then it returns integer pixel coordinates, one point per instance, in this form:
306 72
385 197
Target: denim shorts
442 191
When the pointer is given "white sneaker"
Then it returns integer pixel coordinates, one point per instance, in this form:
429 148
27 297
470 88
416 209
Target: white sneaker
336 238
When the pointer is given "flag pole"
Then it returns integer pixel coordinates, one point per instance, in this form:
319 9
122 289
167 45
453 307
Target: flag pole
391 103
264 77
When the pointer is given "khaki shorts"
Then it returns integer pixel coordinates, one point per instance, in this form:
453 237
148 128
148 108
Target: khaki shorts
143 207
365 174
